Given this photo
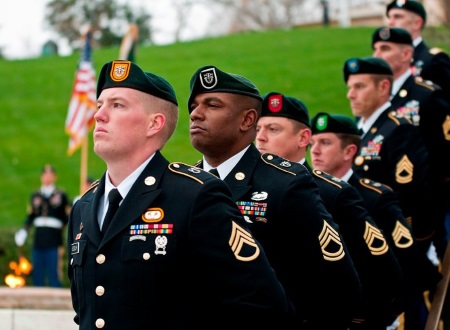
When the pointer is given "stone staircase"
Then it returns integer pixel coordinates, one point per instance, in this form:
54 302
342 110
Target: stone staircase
33 308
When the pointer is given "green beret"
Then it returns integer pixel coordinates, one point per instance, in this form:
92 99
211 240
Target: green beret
328 123
279 105
128 74
209 79
391 34
410 5
371 65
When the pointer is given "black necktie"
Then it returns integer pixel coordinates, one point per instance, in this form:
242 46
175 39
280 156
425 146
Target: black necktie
114 198
214 171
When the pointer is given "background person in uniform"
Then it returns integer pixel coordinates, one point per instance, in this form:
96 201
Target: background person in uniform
429 63
334 145
48 211
392 152
177 249
278 198
284 129
424 104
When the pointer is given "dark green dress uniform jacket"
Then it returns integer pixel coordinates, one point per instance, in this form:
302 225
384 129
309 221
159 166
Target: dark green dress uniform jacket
432 64
393 152
378 268
176 255
48 234
425 105
381 202
281 202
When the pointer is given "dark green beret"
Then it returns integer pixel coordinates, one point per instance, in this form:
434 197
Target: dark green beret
209 79
128 74
410 5
391 34
278 105
328 123
371 65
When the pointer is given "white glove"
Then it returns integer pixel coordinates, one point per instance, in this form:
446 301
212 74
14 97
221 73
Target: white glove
20 237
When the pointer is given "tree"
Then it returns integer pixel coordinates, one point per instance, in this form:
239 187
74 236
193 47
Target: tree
262 14
108 19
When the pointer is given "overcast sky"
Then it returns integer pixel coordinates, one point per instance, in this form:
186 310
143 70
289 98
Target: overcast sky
22 32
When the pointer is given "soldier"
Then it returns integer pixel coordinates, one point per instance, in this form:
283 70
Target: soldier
387 153
392 150
159 262
284 129
424 104
334 145
48 212
278 198
429 63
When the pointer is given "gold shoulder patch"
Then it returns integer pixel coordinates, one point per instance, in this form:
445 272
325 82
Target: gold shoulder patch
402 236
331 243
404 170
446 128
328 178
195 173
375 240
374 185
436 50
280 163
242 244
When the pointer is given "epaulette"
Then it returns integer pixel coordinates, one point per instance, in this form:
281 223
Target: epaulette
436 50
281 163
374 185
192 172
397 118
328 177
93 186
425 83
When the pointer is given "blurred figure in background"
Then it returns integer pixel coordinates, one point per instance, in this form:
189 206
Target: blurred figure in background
48 212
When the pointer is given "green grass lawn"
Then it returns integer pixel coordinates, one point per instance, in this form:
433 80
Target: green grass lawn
35 94
305 63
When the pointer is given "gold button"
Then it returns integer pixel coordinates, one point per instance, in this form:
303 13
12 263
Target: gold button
100 258
150 181
146 256
359 160
240 176
100 291
100 323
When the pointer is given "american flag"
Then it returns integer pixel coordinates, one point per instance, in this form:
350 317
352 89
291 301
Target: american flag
83 103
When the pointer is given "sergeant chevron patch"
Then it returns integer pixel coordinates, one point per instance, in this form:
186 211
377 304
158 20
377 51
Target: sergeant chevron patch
402 236
375 240
242 244
330 243
404 170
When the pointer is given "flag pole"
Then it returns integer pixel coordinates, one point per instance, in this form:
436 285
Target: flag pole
83 163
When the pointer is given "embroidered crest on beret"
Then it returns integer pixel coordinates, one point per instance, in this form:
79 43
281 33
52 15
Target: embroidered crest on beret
120 70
